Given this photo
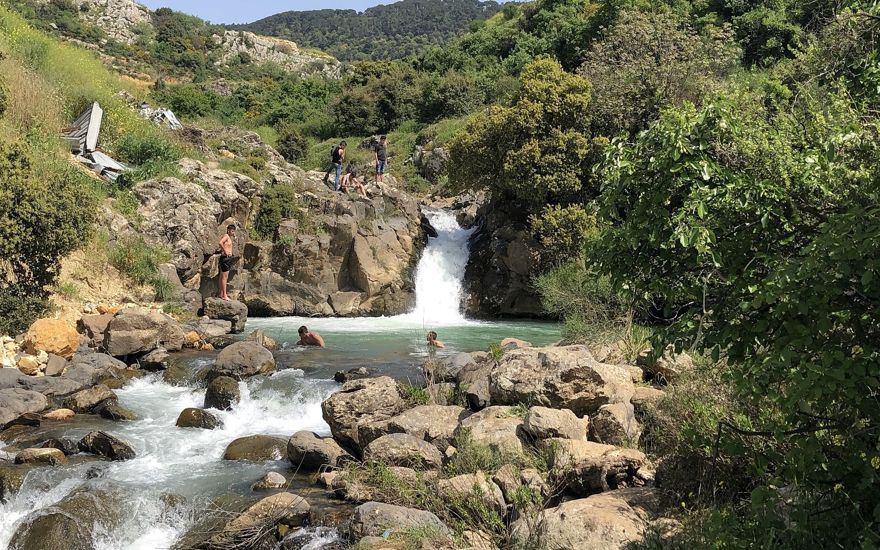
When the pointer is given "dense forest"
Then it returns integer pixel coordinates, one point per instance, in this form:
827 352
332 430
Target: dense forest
701 175
390 31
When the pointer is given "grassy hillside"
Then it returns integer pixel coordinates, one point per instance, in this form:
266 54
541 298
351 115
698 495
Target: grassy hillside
392 31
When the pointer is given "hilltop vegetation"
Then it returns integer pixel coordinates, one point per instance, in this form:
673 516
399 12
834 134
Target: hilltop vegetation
392 31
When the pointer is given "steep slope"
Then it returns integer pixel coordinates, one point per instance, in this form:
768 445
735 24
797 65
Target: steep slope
384 32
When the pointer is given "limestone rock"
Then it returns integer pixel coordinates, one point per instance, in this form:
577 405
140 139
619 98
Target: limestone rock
308 453
435 424
70 524
256 526
404 450
29 365
93 327
55 365
104 444
358 373
52 336
644 397
495 427
373 518
666 369
227 310
262 338
158 359
368 400
137 330
272 480
242 360
615 424
543 422
256 448
197 418
15 402
88 400
558 377
510 478
475 490
59 415
586 467
513 343
222 393
51 457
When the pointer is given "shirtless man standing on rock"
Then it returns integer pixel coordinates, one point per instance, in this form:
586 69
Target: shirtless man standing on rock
309 338
226 259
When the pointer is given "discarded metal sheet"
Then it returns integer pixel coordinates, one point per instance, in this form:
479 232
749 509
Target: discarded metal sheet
83 135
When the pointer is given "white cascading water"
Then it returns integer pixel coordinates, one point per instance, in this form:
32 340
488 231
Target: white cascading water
440 272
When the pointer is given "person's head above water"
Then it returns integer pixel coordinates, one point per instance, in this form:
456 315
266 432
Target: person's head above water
432 335
303 330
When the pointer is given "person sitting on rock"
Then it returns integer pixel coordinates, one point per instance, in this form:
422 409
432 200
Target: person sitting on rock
309 338
353 180
433 342
226 259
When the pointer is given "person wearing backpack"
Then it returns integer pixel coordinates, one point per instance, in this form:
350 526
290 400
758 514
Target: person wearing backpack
337 156
381 150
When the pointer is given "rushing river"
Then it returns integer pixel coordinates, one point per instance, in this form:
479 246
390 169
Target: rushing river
187 462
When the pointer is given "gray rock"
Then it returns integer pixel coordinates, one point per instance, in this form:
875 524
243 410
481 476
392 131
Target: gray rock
88 400
56 365
256 448
227 310
137 330
11 479
373 518
435 424
15 402
404 450
358 373
308 453
111 410
48 456
106 445
158 359
222 394
272 480
197 418
65 445
585 467
94 327
242 360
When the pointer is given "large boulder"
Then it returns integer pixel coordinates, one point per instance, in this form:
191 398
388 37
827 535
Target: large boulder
106 445
71 524
93 327
610 521
52 336
256 448
585 467
88 400
227 310
197 418
473 491
181 216
615 424
137 330
473 377
47 456
559 377
645 397
543 423
435 424
242 360
372 519
256 526
400 449
222 394
498 428
16 402
368 400
308 452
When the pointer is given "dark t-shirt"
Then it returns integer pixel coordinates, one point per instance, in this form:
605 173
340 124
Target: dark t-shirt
381 151
337 155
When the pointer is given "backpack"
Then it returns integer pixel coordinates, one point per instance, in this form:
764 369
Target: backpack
333 150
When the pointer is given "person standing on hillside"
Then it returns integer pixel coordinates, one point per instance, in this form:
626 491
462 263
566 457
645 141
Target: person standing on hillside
226 259
381 149
337 157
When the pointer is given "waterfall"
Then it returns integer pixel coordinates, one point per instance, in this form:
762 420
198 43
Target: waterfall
440 272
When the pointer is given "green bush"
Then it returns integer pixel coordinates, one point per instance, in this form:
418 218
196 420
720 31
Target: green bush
564 232
278 202
137 260
141 147
292 145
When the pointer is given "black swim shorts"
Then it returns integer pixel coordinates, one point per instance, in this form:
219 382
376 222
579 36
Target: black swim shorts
225 264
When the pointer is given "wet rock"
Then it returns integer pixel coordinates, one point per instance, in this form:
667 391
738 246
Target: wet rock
585 467
368 400
27 419
610 521
55 365
158 359
137 330
435 424
198 418
615 424
256 527
46 456
220 342
227 310
106 445
498 428
272 480
476 491
262 339
112 410
88 400
373 518
222 394
71 524
15 402
11 479
308 452
404 450
256 448
559 377
543 422
89 368
59 415
242 360
358 373
51 336
65 445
